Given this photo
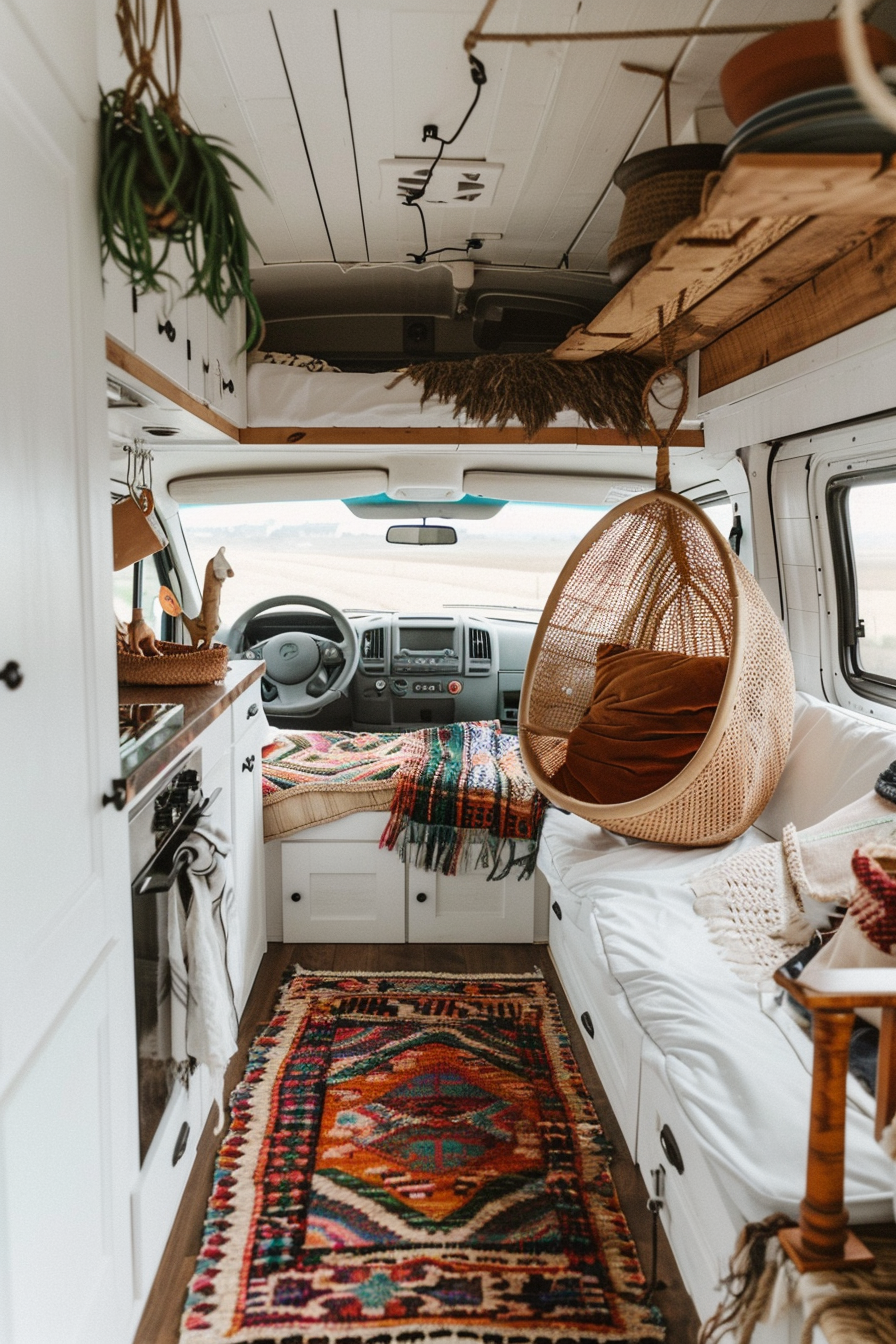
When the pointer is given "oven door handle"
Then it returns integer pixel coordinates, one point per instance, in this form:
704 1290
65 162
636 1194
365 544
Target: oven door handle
162 869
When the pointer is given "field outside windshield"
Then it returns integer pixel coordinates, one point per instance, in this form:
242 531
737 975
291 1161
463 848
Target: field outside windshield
321 549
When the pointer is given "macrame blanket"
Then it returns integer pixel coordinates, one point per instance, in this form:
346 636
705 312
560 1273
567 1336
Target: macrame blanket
464 800
763 905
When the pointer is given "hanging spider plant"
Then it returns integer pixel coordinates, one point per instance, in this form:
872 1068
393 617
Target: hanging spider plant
164 183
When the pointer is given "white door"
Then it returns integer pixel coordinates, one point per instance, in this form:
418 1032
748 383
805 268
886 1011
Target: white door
68 1135
469 909
342 891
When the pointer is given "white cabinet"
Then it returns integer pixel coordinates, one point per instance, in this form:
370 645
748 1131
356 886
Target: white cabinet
339 887
160 323
468 908
163 1176
182 338
226 379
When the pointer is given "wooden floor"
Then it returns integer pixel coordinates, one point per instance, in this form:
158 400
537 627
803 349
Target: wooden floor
161 1319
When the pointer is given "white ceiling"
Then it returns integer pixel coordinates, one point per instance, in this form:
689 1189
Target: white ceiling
312 94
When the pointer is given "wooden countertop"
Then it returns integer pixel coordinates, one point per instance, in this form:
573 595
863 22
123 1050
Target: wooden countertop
202 705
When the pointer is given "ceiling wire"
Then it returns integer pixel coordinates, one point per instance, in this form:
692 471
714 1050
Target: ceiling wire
412 197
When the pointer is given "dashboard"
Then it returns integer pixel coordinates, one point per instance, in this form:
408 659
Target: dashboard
417 669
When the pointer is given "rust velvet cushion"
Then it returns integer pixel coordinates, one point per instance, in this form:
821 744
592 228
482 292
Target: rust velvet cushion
649 714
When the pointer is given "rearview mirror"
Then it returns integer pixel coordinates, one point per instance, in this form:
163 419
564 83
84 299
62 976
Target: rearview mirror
421 535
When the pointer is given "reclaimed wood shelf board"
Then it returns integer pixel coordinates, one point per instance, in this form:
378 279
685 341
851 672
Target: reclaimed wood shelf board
774 226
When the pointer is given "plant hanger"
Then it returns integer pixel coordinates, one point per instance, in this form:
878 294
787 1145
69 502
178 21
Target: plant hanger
162 181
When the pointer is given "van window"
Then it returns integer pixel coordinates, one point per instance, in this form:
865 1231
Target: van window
861 512
872 531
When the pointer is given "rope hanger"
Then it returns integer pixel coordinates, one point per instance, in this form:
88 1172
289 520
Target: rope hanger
476 35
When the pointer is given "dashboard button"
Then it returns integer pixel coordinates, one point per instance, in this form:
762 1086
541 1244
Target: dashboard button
380 684
455 687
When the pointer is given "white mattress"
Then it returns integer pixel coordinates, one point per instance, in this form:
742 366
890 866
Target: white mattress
281 394
740 1078
739 1067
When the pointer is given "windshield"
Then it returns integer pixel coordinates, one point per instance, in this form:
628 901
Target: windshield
319 548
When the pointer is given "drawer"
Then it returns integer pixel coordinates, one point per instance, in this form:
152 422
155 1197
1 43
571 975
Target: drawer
248 712
701 1225
155 1200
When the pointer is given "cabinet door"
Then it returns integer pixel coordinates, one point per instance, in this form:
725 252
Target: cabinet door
68 1132
227 360
248 846
197 347
469 909
160 323
342 892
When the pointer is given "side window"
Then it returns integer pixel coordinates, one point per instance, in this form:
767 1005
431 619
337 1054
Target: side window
862 510
155 573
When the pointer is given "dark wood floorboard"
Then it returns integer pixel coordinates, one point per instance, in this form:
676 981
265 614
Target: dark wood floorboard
160 1323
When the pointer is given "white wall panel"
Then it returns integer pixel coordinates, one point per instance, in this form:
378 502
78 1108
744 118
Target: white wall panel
308 39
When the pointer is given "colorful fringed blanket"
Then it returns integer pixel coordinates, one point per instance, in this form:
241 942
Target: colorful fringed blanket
331 761
463 800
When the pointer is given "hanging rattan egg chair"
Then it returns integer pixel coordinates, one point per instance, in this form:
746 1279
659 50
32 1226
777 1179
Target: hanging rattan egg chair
655 574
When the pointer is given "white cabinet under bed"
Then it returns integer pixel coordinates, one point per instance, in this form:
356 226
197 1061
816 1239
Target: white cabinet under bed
468 908
338 886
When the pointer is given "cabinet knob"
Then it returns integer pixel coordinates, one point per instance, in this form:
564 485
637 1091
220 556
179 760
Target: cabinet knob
168 329
13 676
227 384
587 1023
249 763
296 896
119 795
421 896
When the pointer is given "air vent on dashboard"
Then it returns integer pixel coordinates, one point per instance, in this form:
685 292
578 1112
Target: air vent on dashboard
479 646
373 646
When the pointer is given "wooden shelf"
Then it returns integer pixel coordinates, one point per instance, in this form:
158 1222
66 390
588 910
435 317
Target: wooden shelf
789 249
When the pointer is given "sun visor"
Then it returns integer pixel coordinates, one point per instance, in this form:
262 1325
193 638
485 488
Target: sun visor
270 487
553 488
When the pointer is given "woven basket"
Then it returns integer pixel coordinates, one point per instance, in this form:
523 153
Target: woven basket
180 666
655 574
662 188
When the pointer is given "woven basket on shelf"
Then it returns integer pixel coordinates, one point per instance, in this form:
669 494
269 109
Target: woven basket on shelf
662 187
179 665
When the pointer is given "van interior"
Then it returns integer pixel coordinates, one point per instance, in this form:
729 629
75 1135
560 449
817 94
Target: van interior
493 494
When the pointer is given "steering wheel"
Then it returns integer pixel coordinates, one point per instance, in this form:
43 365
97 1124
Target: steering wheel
304 671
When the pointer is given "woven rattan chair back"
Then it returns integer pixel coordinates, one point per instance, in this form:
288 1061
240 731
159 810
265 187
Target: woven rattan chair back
656 574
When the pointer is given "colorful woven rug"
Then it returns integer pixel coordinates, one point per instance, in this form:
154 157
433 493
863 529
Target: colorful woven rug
309 778
305 761
463 799
414 1158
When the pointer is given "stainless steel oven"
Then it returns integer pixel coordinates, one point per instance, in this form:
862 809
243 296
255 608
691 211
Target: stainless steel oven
157 829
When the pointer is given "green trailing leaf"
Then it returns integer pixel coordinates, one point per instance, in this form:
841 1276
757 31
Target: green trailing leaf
159 185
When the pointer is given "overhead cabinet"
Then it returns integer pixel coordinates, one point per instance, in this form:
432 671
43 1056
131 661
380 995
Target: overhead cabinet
182 338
